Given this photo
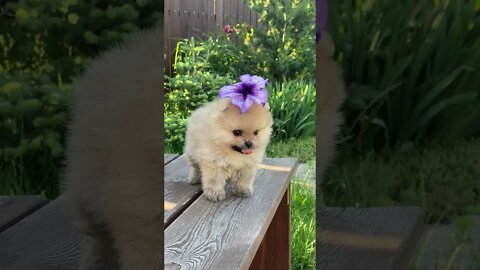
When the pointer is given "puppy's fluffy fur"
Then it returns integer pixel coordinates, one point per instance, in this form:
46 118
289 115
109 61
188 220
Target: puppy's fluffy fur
330 96
114 162
215 152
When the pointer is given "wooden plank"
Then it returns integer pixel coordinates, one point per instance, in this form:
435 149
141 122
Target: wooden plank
168 35
184 23
366 238
234 11
211 24
275 250
227 19
193 10
246 13
240 10
15 208
219 19
44 240
227 234
178 193
169 158
174 34
203 19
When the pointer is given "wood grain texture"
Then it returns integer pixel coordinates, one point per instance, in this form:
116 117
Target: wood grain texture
44 240
178 193
15 208
275 250
366 238
226 235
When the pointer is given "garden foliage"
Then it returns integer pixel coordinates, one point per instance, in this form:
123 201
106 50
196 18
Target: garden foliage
412 68
44 45
281 50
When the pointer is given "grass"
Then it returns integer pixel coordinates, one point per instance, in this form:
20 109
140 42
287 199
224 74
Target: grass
441 177
409 67
15 179
301 148
303 224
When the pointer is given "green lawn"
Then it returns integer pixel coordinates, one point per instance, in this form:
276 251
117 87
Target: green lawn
303 224
440 177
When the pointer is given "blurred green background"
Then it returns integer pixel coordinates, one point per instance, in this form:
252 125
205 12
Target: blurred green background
44 46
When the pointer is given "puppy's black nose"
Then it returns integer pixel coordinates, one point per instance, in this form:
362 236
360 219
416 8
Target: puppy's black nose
248 144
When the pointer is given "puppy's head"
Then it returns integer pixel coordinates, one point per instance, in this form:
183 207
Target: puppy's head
247 132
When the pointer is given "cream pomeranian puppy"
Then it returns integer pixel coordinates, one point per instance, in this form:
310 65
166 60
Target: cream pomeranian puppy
114 157
222 144
330 96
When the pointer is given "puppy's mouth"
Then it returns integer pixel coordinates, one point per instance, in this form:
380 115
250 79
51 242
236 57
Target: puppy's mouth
246 151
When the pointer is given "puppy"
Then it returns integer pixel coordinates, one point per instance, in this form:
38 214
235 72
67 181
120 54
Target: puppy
330 96
114 157
223 144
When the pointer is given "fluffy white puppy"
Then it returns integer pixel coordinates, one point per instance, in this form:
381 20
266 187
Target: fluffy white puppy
114 159
330 96
222 144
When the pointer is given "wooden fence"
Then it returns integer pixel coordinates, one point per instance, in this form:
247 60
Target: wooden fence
193 18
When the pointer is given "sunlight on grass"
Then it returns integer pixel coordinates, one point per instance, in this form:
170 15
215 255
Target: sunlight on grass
303 224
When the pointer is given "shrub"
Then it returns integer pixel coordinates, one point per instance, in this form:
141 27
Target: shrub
32 129
286 39
57 37
194 84
409 66
292 104
46 44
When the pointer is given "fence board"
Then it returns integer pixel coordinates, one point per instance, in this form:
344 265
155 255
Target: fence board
194 18
219 19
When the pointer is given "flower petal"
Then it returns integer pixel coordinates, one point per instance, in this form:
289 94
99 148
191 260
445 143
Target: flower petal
259 95
259 81
246 78
247 104
230 90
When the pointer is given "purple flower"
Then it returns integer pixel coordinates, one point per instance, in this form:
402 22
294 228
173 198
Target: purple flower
322 16
250 89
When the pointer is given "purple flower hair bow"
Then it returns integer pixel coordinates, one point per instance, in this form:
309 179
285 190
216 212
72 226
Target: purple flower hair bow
250 89
321 17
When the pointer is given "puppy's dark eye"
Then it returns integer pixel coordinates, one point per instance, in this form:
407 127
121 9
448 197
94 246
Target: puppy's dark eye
237 133
255 132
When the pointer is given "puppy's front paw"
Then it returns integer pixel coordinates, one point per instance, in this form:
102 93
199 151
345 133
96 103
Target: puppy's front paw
194 179
195 176
214 194
243 191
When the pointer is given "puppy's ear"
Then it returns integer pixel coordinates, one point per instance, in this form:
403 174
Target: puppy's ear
267 107
223 104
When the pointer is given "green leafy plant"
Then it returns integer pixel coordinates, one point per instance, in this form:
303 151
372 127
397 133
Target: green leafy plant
193 84
58 37
292 104
410 67
286 37
44 45
32 129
